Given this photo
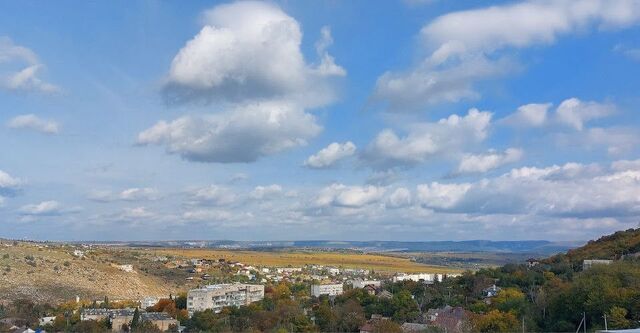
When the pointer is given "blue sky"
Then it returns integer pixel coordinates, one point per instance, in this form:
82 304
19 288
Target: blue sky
396 120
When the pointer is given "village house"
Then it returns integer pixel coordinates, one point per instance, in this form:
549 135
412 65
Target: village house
532 262
588 263
161 319
491 291
450 319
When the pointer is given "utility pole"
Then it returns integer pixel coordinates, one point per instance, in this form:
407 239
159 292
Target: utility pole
605 323
522 324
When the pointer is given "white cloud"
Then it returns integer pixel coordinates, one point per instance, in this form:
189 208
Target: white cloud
572 190
327 66
246 59
574 112
479 163
401 197
137 213
266 192
441 196
130 194
466 46
19 67
33 122
330 155
45 208
240 135
631 53
426 140
349 196
212 195
207 215
7 182
137 194
529 115
571 112
250 50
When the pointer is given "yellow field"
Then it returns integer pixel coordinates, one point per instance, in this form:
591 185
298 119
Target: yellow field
297 258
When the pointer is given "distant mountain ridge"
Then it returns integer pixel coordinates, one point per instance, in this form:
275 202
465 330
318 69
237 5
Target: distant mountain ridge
541 247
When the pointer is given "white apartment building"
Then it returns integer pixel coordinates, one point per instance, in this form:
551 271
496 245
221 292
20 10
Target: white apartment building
426 277
326 289
360 283
217 296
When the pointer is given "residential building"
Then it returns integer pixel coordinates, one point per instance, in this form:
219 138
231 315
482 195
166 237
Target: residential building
414 328
370 289
326 289
360 283
94 314
425 277
149 301
532 262
370 325
450 319
491 291
118 320
217 296
160 319
588 263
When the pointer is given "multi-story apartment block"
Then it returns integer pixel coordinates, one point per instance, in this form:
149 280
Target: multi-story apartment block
217 296
326 289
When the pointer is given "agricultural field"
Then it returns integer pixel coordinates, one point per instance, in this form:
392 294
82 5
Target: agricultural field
376 262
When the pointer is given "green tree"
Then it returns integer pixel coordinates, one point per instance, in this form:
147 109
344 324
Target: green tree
618 318
136 319
497 321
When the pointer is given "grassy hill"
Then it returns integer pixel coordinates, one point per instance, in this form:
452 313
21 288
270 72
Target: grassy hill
612 246
51 273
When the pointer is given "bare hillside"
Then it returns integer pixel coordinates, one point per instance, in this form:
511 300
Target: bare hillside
53 273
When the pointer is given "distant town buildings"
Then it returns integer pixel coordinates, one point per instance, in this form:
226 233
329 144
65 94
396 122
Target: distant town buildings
217 296
588 263
360 283
326 289
425 277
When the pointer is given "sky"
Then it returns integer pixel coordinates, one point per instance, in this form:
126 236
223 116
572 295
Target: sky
411 120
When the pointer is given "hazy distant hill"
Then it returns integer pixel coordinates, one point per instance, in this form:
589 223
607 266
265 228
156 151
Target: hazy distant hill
540 247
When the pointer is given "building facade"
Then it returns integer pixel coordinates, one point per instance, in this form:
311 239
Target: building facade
217 296
326 289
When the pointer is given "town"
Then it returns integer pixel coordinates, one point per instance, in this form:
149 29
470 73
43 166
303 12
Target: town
223 294
209 285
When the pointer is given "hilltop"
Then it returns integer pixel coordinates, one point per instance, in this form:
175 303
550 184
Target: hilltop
614 246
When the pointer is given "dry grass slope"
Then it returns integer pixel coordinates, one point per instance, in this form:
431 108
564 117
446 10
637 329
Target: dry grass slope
53 274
